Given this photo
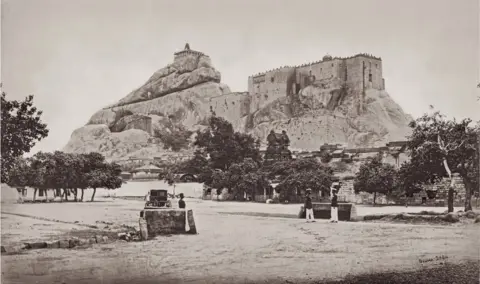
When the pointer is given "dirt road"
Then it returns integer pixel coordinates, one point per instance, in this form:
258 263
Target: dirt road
234 248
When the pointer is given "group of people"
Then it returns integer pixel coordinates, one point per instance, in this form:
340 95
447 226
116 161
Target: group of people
334 204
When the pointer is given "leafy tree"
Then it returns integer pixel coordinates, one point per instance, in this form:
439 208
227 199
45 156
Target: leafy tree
21 128
70 172
375 177
440 147
299 175
225 146
198 165
41 174
241 178
176 139
100 174
408 179
18 174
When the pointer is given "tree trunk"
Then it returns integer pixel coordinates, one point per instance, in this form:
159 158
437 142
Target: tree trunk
450 187
46 195
75 192
35 194
468 195
65 192
374 198
450 197
81 197
93 195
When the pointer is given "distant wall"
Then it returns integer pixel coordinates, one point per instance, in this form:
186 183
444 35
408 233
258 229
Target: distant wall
269 86
321 70
347 194
287 80
233 105
354 73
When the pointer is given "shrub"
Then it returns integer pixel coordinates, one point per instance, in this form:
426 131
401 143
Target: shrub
177 139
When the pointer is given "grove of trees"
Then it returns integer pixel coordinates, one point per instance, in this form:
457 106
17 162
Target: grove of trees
438 147
229 159
21 129
65 173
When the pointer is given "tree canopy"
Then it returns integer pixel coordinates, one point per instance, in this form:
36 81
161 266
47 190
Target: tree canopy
224 146
298 175
241 178
59 170
21 128
440 147
375 177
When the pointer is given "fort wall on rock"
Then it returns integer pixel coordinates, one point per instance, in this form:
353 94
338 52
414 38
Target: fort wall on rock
236 104
359 72
271 85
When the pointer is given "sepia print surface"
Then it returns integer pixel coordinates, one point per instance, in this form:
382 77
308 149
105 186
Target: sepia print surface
247 141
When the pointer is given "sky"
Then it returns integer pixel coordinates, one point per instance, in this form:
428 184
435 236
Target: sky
77 56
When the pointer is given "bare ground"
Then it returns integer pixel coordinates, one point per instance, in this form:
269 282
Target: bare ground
230 248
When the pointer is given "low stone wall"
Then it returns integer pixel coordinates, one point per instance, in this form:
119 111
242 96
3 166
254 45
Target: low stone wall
167 221
346 211
59 244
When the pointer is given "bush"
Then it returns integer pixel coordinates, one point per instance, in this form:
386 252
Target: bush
177 139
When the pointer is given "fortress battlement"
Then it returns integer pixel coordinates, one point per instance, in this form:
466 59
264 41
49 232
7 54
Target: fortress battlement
359 71
271 70
328 58
325 59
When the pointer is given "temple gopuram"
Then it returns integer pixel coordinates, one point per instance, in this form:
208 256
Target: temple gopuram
277 149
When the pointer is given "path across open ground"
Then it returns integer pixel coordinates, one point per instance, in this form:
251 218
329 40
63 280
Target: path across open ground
230 248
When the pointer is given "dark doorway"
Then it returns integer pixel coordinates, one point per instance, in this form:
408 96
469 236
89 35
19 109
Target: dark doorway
424 200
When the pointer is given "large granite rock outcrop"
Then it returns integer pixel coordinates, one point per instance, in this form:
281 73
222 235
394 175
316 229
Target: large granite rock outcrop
185 93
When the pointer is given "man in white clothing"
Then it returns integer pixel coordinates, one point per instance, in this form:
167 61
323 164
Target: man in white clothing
334 204
309 207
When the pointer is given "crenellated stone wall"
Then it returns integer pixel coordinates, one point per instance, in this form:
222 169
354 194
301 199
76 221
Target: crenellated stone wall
359 72
270 86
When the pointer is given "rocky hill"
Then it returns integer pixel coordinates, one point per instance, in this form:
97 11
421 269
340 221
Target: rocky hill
178 99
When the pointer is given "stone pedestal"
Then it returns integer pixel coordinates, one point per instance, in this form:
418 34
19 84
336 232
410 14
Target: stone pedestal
167 221
346 211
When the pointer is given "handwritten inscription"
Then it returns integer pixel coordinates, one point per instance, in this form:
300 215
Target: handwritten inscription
438 258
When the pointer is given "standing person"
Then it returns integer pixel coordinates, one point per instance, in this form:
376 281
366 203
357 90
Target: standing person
334 205
309 207
182 205
181 202
147 199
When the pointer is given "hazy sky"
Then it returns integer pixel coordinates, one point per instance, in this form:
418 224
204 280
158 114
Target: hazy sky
78 56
